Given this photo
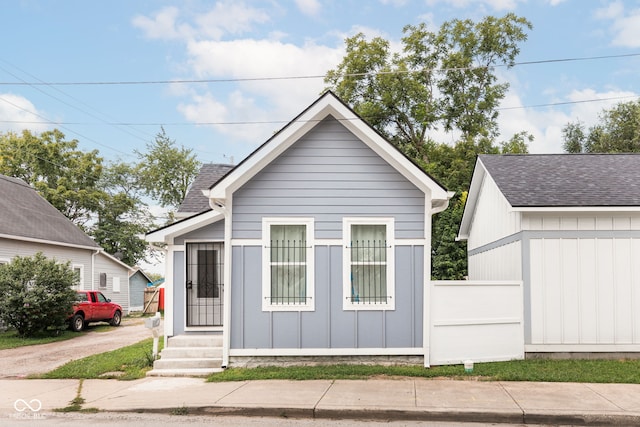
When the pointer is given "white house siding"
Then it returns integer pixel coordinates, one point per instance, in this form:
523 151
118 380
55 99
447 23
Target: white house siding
10 248
585 291
113 270
500 263
581 221
493 218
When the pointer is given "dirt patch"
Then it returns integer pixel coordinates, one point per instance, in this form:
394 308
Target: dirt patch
39 359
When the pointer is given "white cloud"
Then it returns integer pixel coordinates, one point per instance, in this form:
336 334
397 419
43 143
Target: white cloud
309 7
625 24
163 25
17 113
396 3
226 17
492 4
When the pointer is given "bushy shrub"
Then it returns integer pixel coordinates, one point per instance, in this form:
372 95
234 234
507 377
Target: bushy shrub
36 294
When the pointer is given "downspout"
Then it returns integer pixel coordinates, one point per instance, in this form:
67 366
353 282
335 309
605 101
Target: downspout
219 205
93 269
437 207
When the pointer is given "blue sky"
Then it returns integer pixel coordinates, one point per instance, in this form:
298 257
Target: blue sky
141 41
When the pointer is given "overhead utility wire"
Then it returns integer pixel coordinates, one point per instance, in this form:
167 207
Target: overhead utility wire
318 76
271 122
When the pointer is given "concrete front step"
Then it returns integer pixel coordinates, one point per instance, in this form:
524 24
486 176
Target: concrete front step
195 341
186 372
192 352
187 363
189 355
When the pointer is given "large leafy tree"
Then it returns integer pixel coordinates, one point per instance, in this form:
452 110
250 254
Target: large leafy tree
166 170
63 174
442 79
618 131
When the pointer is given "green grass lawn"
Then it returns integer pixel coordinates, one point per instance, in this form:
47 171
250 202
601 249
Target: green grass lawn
127 363
10 339
134 361
592 371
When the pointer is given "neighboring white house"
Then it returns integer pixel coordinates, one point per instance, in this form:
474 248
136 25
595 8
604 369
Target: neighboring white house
29 224
568 227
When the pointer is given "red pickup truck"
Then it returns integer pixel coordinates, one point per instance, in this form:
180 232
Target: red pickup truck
93 306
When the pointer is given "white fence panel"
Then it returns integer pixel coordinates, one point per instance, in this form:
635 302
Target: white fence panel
475 320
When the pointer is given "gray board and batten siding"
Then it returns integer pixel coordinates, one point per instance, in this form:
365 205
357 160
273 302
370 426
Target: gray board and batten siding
328 174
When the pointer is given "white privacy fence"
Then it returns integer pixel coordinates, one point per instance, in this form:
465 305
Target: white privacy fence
480 321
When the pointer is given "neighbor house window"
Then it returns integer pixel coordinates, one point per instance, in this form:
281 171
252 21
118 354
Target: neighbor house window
116 284
78 270
368 264
287 279
103 280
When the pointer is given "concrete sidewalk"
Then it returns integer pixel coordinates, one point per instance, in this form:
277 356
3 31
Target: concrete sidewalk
381 399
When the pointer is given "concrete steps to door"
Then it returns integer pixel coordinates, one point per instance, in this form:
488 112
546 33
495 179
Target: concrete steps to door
189 355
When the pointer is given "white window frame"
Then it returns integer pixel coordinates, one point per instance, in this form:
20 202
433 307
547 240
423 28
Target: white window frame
5 260
267 305
81 282
115 284
346 263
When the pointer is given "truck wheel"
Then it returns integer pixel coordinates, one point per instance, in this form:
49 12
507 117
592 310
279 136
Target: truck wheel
77 323
115 320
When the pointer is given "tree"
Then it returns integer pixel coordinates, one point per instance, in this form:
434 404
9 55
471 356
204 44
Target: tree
166 171
441 79
449 257
36 294
64 175
617 132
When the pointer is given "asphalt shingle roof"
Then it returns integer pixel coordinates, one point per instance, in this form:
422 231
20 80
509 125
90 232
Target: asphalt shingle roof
195 201
568 180
25 214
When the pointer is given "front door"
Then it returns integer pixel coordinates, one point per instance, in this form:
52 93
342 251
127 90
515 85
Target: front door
204 286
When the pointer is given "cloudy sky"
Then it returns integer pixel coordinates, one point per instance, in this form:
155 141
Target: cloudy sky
115 59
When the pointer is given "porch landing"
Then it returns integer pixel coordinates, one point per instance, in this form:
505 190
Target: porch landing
189 356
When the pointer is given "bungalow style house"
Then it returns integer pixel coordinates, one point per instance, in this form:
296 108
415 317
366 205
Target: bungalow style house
568 227
317 244
29 224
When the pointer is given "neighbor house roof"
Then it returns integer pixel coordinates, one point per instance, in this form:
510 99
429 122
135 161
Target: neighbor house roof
25 215
566 180
195 201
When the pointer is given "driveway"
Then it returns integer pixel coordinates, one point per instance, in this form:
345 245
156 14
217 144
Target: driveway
39 359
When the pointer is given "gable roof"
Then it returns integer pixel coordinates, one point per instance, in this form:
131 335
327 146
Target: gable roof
195 201
328 105
28 216
557 181
577 180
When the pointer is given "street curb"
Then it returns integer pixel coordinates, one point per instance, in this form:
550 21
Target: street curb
456 415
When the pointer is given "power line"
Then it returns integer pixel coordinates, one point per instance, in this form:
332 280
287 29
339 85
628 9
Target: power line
318 76
279 122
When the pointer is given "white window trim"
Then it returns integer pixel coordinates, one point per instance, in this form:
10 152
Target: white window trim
5 260
346 263
80 267
266 270
115 284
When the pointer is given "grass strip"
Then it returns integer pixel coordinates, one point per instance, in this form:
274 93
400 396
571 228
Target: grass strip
126 363
591 371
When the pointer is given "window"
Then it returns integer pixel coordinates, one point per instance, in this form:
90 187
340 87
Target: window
79 272
287 278
103 280
368 264
116 284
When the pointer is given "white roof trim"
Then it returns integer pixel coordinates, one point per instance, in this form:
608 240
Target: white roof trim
48 242
585 209
166 234
479 172
116 260
327 105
